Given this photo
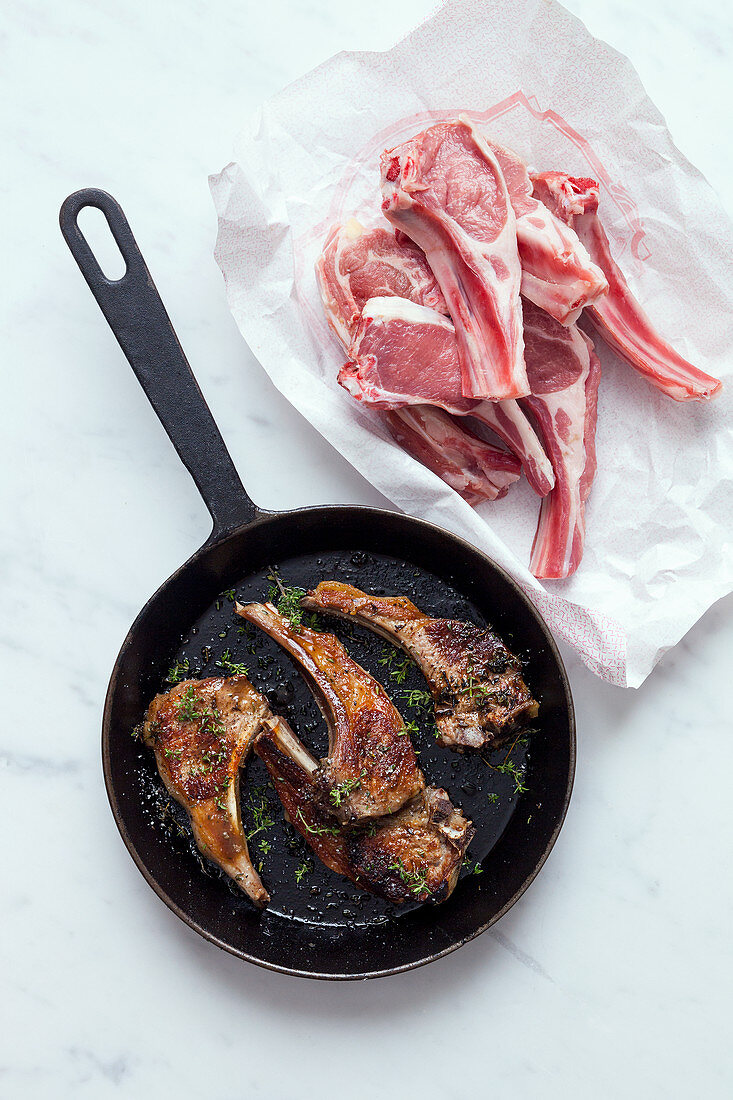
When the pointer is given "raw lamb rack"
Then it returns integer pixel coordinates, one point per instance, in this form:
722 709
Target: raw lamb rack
437 333
619 318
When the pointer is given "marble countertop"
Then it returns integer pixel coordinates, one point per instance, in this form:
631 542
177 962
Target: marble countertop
611 977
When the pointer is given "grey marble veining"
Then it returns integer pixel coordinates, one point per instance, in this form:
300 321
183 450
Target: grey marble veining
611 977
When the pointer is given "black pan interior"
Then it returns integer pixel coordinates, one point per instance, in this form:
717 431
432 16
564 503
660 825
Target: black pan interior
318 923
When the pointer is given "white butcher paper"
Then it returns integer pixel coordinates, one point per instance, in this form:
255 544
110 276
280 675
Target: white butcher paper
660 514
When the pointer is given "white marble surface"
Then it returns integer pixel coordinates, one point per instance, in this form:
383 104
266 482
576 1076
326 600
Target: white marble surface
611 978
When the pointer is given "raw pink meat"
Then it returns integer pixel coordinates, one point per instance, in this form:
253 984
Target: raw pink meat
356 260
619 318
564 373
506 419
358 264
406 354
444 188
558 275
473 468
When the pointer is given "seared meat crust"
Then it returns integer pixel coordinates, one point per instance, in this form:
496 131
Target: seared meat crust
412 855
479 695
201 731
416 853
371 768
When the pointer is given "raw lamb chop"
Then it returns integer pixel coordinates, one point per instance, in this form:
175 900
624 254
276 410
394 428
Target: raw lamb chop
564 374
444 188
201 731
355 262
506 419
371 768
412 855
358 264
619 318
479 695
473 468
406 354
558 275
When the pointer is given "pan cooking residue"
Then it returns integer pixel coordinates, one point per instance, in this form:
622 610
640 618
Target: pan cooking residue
489 787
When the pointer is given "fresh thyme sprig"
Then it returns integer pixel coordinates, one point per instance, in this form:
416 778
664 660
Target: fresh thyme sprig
474 689
416 698
169 821
305 869
311 620
509 767
261 816
286 599
342 791
421 701
397 664
212 722
415 881
232 668
178 671
317 830
188 704
219 801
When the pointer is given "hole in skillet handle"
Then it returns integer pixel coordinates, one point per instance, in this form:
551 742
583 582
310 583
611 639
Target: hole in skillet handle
82 204
97 233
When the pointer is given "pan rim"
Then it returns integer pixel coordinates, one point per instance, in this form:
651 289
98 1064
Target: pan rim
262 518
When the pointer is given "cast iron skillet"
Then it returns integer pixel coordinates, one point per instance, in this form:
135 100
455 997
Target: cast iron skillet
316 925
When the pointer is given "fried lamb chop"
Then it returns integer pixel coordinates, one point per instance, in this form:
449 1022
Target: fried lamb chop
412 855
201 732
371 768
478 692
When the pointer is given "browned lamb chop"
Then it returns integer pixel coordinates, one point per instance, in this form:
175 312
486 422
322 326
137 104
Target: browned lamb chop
201 731
479 695
412 855
371 768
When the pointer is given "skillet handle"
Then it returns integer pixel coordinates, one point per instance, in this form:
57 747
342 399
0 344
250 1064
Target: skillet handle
138 319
